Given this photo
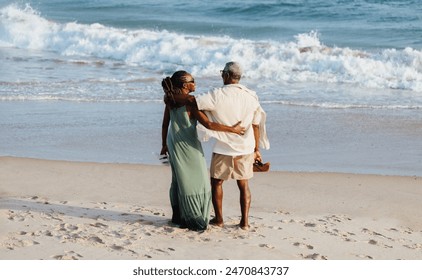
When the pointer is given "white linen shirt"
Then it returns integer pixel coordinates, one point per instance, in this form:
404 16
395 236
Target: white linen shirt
228 105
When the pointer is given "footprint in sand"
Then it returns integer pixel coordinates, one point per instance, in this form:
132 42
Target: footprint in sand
17 243
314 256
338 218
282 212
46 233
291 221
162 251
68 255
371 232
71 227
115 234
268 246
95 239
136 210
342 234
303 245
13 216
365 257
415 246
407 231
334 219
50 216
374 242
99 225
142 222
26 243
117 247
42 233
275 227
310 225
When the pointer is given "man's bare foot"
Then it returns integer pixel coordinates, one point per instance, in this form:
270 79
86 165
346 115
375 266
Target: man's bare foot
244 227
244 224
216 222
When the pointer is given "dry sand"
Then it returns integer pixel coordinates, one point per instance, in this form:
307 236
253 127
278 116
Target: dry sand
72 210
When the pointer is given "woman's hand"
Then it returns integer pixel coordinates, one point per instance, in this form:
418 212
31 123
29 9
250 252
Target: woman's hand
164 150
238 129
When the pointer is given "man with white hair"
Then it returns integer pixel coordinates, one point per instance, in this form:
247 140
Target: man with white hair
233 155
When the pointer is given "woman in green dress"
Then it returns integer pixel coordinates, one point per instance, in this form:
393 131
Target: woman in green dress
190 190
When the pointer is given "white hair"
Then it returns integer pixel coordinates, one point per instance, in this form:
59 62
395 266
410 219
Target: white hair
234 69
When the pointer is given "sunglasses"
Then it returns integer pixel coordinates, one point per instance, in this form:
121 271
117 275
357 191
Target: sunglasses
191 81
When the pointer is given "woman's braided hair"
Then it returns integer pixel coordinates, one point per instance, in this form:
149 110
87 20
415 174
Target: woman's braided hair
173 85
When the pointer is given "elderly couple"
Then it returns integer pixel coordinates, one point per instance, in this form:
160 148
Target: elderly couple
232 115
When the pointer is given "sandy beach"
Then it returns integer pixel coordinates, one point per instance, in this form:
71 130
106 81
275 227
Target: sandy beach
96 211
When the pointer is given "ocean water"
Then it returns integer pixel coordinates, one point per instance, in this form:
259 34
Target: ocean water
341 81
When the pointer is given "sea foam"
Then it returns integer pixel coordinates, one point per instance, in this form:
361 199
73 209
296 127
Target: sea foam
303 59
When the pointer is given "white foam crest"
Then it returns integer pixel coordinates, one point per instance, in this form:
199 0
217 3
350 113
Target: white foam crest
25 28
331 105
304 60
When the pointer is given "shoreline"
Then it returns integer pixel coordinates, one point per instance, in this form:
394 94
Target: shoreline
79 210
302 139
208 151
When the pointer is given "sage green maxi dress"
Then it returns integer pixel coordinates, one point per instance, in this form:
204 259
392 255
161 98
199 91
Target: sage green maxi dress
190 190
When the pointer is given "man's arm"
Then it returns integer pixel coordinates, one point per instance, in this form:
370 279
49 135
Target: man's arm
257 154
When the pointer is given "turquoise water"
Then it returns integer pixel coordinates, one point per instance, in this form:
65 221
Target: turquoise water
357 24
316 66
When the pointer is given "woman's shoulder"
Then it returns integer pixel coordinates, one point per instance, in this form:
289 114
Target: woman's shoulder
177 107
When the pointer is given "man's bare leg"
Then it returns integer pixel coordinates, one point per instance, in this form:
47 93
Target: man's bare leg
217 201
245 202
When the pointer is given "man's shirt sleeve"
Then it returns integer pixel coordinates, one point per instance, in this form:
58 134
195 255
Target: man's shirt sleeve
207 101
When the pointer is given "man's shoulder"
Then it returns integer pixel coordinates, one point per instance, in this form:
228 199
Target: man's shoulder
208 99
237 87
221 93
247 91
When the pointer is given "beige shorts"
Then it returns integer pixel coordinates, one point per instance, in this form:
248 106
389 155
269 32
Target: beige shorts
236 167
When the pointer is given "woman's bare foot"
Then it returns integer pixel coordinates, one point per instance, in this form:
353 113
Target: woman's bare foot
216 222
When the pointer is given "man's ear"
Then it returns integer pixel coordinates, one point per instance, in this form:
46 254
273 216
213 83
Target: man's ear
225 76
